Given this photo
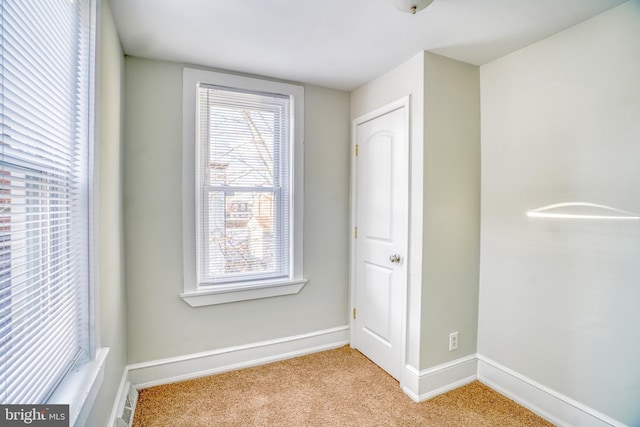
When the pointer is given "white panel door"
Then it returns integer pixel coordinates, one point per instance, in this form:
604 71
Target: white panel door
381 242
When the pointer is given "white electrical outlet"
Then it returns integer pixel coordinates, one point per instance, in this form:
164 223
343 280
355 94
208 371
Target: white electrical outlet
453 341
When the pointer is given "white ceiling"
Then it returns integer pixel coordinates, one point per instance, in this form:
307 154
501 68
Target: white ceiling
339 44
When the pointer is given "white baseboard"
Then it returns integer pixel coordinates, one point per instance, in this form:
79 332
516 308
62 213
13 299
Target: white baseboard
190 366
549 404
120 396
428 383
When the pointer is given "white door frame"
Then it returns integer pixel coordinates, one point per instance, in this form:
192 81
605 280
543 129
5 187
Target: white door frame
400 103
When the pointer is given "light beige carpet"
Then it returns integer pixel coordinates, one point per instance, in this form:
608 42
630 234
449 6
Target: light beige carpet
339 387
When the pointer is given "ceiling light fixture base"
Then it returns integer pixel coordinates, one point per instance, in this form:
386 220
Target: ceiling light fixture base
411 6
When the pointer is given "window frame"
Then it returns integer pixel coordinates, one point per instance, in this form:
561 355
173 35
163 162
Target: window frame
194 293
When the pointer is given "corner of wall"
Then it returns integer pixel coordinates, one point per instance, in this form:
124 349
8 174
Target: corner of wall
108 229
451 236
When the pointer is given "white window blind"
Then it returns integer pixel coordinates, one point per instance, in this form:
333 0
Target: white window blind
243 185
44 182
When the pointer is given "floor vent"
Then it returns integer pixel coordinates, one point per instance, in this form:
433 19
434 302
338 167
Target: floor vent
127 407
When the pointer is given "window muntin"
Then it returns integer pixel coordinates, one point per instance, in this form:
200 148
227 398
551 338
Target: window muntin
243 185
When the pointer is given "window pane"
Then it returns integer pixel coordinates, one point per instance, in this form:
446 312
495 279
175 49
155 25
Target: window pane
242 146
241 233
243 158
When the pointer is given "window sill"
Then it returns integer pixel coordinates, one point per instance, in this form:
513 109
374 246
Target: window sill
231 293
80 388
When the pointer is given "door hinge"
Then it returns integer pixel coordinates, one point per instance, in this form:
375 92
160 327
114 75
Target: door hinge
354 313
356 149
355 232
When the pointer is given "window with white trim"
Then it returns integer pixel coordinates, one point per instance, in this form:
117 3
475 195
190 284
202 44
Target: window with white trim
242 172
46 91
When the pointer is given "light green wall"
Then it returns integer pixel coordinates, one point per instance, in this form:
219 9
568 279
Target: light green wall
559 299
445 199
451 233
160 324
110 295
